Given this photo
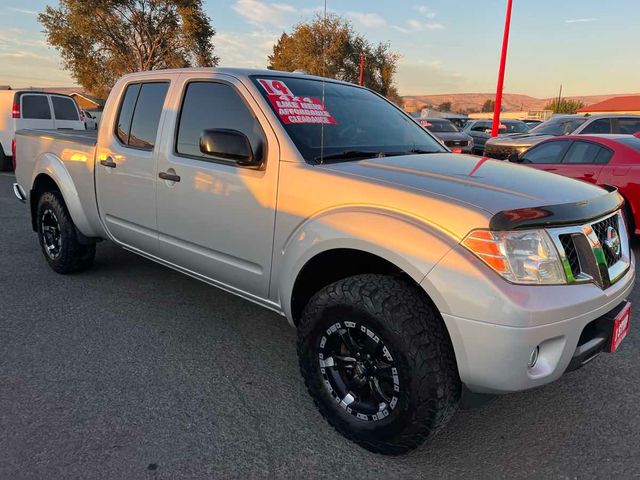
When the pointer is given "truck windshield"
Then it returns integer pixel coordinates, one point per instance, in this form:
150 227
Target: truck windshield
558 126
351 124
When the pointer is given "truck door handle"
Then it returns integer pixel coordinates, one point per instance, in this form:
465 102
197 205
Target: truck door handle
108 162
172 177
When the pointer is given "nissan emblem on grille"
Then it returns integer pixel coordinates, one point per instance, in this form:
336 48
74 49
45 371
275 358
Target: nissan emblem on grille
613 242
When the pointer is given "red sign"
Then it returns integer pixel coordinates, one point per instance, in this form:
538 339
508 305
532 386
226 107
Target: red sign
294 109
620 327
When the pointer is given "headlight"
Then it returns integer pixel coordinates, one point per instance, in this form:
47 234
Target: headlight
526 257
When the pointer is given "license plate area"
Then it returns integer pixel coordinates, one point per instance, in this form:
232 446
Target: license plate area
620 329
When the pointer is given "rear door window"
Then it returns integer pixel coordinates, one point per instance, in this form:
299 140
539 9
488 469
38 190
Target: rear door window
35 107
626 126
64 108
146 116
583 152
551 152
123 123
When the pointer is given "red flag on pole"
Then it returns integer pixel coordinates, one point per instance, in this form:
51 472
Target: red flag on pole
503 62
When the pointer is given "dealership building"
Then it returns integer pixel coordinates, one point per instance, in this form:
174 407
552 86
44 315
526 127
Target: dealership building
626 104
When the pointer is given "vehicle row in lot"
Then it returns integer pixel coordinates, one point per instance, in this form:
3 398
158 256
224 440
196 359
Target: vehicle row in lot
503 146
21 109
445 131
605 160
480 130
412 274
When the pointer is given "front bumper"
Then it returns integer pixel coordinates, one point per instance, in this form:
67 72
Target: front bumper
501 152
494 325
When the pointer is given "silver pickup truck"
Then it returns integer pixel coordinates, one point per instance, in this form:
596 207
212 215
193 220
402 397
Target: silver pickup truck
415 277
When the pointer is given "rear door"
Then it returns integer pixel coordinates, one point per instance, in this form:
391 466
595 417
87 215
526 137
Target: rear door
126 166
65 113
584 161
35 112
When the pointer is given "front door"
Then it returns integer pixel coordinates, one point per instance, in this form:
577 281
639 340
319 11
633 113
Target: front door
215 217
126 167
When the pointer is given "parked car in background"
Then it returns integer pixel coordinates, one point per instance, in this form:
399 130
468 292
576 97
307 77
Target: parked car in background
90 121
459 122
21 109
532 123
600 159
480 131
448 133
501 148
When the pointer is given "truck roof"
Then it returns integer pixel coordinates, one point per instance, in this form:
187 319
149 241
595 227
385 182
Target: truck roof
236 72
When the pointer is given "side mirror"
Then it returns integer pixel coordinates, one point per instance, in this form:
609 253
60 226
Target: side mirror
514 158
229 144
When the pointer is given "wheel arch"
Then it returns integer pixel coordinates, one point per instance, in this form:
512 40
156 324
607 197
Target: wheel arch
50 173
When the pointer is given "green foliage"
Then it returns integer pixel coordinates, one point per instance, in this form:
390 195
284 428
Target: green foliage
564 106
488 105
445 107
101 40
331 48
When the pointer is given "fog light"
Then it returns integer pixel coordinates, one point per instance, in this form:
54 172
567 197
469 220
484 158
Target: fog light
534 357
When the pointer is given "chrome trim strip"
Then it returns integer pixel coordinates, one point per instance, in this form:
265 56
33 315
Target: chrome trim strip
19 193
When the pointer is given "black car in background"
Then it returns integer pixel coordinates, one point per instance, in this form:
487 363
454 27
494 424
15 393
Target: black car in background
480 130
445 131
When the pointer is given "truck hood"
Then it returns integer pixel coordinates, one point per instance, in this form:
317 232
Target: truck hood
518 140
487 184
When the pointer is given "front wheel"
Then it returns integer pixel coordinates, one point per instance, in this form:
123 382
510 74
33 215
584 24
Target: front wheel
58 238
378 362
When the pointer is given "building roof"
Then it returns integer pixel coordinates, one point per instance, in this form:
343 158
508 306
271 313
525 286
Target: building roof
616 104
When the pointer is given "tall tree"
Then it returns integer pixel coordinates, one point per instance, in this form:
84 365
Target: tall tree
331 48
489 105
100 40
564 105
445 107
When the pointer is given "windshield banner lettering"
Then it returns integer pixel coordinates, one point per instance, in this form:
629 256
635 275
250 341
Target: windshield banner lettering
294 109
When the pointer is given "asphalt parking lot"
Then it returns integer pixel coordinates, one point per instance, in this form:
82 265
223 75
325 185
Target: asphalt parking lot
131 370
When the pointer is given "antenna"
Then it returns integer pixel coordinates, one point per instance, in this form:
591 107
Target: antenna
324 63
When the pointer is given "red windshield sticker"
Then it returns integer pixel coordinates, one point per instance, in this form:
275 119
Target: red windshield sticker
292 109
275 87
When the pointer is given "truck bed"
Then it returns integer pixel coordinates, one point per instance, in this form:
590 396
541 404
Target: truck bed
84 137
68 157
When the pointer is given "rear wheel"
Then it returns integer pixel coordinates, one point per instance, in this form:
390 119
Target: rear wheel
378 362
58 237
5 162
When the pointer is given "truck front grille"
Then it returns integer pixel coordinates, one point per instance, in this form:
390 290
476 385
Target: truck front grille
499 152
456 143
571 254
602 230
596 252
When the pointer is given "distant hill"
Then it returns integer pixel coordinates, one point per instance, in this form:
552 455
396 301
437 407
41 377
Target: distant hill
510 101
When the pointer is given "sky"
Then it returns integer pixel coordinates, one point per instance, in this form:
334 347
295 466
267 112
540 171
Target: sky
447 46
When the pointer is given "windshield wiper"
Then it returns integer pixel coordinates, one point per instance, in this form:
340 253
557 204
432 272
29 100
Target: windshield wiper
348 154
419 151
351 154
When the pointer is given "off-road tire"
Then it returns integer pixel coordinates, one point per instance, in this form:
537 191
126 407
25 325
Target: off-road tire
409 324
73 256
